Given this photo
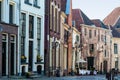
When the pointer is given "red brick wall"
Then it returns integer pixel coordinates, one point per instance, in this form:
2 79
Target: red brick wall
70 40
9 29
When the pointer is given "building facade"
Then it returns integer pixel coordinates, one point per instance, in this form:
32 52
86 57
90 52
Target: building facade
95 42
9 22
66 7
96 47
115 43
76 52
31 37
52 36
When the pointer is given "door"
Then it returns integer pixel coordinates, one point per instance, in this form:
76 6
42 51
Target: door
12 59
30 64
3 58
90 63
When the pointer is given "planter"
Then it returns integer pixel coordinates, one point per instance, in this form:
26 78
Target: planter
28 74
39 60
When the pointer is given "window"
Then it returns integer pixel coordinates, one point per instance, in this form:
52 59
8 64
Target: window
85 31
12 38
4 37
116 62
22 45
36 3
102 38
38 28
115 48
23 21
98 35
95 33
77 38
91 47
65 36
0 10
38 33
31 26
52 17
105 40
38 41
90 33
27 2
56 19
54 22
58 22
105 53
11 13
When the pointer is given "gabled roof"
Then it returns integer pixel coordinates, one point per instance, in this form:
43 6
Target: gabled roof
115 33
99 23
112 18
80 18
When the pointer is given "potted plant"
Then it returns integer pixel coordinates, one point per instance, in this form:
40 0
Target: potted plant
23 58
28 74
39 58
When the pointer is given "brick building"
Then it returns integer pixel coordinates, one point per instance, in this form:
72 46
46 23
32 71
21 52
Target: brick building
66 7
52 36
9 21
95 40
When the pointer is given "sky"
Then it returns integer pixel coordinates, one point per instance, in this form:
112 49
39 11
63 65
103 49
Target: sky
96 9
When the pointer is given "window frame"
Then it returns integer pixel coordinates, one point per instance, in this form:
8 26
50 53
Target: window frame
35 3
115 48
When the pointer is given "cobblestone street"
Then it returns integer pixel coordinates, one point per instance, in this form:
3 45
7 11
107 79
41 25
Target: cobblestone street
97 77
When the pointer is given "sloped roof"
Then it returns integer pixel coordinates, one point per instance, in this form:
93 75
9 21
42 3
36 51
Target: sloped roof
117 25
115 33
112 17
80 18
99 23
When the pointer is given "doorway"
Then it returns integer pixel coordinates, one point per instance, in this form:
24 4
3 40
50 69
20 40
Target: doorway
4 58
30 64
105 66
90 63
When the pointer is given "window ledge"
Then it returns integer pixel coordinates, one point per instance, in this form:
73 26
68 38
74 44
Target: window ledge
28 3
36 6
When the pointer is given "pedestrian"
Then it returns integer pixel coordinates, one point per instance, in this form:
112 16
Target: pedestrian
95 72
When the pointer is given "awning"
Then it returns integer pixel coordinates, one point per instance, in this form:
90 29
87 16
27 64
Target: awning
81 61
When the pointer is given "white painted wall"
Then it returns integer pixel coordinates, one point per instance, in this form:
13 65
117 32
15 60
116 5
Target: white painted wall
5 11
36 12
